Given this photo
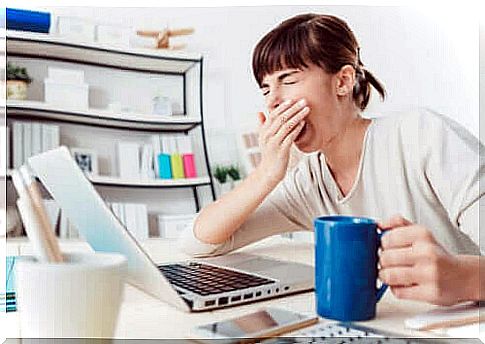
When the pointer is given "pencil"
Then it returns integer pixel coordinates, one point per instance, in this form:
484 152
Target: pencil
38 203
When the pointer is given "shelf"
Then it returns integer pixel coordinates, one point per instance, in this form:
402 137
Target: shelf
98 117
144 183
149 183
51 46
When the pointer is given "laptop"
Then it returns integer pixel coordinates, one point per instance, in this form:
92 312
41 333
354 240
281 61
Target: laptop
196 285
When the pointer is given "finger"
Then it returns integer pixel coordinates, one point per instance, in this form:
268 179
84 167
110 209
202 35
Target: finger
290 138
405 236
261 118
289 127
284 117
280 109
395 221
414 292
398 276
397 257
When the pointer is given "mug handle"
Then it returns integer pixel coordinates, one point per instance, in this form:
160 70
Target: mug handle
380 291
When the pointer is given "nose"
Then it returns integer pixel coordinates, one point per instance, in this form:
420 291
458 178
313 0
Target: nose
274 100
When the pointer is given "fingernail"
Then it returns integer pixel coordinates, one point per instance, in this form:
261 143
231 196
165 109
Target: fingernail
305 109
302 102
286 102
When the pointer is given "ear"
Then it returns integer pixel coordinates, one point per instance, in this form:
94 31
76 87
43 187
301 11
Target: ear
345 79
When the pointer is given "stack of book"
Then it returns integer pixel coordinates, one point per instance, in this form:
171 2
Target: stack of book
134 216
31 138
168 157
7 298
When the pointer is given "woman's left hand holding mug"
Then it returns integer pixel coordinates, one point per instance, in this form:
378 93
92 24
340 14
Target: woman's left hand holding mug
417 267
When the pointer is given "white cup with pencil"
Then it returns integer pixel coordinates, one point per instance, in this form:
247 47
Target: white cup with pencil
62 295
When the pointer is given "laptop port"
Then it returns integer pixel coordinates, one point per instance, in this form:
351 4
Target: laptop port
248 296
223 301
258 293
210 303
236 298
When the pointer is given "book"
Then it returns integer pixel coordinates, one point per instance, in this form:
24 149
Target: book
18 147
7 297
46 137
131 219
156 144
56 136
146 166
142 221
36 138
128 160
27 141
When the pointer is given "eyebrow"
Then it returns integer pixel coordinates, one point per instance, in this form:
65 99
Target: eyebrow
282 76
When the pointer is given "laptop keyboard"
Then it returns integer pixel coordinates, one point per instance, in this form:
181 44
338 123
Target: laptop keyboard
205 279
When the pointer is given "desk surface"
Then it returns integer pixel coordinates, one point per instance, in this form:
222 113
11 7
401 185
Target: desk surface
142 316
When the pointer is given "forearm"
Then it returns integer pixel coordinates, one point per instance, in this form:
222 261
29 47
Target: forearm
473 285
219 220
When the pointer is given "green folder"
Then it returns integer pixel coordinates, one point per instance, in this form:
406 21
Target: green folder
177 166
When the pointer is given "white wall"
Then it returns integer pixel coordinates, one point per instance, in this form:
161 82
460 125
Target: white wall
424 57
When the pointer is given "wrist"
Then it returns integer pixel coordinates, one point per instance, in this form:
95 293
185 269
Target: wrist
470 266
268 180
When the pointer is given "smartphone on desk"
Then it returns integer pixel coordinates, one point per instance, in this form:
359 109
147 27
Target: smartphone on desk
265 323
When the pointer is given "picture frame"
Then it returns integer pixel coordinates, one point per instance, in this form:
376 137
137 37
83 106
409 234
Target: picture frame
87 159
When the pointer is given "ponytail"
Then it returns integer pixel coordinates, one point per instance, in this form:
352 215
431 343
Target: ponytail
362 87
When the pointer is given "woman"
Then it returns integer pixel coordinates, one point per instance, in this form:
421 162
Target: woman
419 165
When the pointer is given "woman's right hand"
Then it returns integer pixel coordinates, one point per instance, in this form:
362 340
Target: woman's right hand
276 135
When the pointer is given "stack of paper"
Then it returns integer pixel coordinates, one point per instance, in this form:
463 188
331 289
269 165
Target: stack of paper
30 138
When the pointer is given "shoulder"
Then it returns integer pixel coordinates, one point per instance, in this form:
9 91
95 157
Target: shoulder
423 126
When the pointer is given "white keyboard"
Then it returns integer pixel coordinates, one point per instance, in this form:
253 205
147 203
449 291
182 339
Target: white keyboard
340 333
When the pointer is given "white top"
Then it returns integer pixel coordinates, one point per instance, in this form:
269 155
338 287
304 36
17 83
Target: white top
421 165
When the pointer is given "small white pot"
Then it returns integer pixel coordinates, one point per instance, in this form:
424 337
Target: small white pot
223 188
17 89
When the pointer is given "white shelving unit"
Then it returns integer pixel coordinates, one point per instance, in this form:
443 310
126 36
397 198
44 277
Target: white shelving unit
185 66
140 183
100 117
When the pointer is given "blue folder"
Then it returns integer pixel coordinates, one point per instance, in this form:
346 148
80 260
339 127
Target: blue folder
24 20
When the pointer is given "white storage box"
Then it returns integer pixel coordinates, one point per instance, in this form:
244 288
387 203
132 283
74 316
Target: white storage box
79 29
172 226
64 75
66 96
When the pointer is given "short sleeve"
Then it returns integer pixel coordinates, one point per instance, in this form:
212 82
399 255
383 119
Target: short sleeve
454 166
278 213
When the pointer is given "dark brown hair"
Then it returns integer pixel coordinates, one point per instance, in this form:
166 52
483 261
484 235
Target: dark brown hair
322 40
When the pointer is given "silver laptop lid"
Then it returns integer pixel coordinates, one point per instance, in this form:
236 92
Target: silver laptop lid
79 200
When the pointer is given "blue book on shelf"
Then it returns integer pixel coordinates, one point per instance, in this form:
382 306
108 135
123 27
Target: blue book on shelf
7 298
25 20
164 166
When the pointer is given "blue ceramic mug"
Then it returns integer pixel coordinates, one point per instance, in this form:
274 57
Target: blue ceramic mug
346 267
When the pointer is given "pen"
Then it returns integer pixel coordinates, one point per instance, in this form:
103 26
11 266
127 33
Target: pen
38 203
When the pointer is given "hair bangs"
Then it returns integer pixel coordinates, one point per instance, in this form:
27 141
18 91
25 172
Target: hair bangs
281 49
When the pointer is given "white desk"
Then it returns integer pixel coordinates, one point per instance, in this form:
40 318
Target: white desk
143 316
